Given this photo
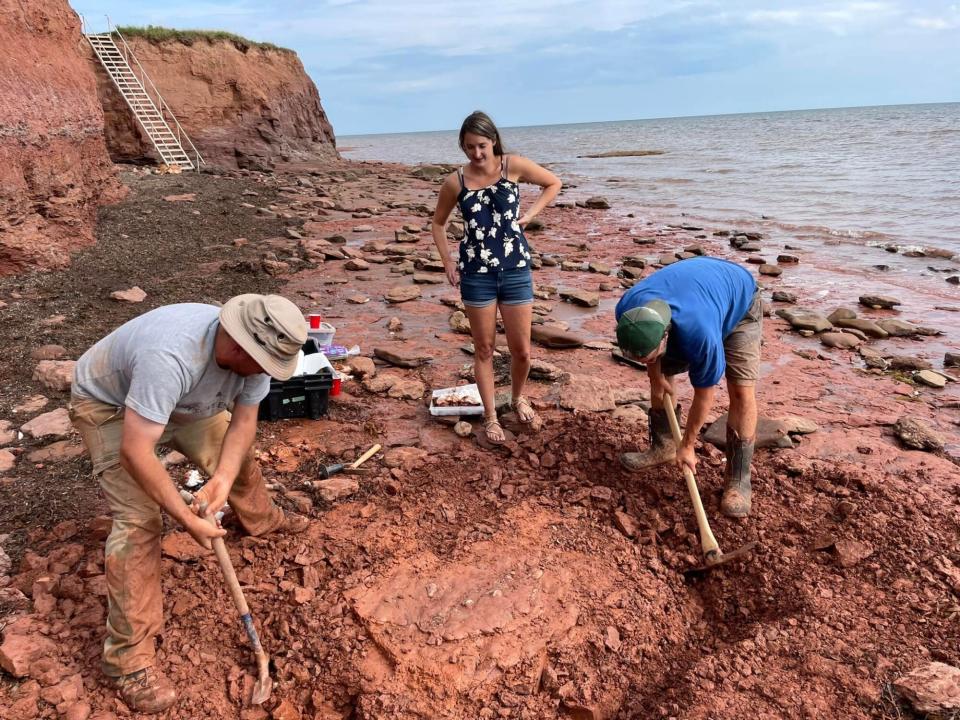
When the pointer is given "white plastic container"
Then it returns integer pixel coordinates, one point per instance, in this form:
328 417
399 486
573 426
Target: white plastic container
324 334
470 392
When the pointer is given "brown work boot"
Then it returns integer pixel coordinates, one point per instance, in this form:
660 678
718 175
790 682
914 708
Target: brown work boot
146 691
293 524
662 448
736 502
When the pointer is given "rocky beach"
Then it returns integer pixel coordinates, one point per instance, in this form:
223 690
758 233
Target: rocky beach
448 579
535 581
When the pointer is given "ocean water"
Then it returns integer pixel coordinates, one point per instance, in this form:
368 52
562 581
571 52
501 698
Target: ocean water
863 176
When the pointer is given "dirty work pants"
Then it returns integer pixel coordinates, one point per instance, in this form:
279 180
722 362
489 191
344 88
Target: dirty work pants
132 562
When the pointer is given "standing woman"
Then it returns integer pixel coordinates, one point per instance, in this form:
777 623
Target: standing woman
493 269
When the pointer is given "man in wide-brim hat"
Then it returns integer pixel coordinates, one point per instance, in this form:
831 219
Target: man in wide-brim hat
188 376
703 316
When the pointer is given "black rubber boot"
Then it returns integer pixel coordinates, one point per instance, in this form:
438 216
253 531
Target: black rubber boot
737 494
662 448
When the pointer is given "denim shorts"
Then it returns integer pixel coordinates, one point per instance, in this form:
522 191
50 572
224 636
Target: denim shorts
509 287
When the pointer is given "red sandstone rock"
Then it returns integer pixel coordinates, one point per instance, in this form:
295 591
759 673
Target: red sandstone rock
48 352
181 546
22 645
54 168
56 452
133 295
55 423
336 488
408 458
7 461
55 374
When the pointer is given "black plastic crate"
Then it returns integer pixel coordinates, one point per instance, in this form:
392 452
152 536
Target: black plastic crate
305 396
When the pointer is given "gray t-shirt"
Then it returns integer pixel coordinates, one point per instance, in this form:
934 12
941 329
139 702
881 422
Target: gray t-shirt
161 365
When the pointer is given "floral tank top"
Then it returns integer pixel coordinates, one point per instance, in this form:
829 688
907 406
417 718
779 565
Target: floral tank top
493 240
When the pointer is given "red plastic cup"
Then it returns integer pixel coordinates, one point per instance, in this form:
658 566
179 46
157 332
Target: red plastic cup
337 385
315 319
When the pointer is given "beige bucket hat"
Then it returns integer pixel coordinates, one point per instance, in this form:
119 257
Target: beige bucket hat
269 327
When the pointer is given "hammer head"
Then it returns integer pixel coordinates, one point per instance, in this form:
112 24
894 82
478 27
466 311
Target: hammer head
330 470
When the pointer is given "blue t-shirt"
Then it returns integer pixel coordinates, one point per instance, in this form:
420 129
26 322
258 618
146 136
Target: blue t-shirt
707 298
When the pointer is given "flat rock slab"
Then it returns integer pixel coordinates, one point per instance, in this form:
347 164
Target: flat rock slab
842 313
55 423
429 279
867 327
879 301
770 270
55 374
804 320
407 389
908 362
356 264
932 689
584 298
182 547
585 393
843 341
336 488
597 202
398 357
931 379
555 337
771 432
402 293
56 452
784 297
455 630
917 435
132 295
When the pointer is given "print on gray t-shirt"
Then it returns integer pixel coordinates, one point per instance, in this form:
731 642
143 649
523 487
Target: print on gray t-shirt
161 365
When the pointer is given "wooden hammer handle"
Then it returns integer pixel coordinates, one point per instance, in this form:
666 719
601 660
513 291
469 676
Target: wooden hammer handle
366 456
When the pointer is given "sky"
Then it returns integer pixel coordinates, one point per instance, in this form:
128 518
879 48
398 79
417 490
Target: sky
386 66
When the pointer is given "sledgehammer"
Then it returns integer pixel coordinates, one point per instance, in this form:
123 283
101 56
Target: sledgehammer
264 683
713 556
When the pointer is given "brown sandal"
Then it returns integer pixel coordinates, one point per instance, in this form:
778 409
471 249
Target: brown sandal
525 412
488 426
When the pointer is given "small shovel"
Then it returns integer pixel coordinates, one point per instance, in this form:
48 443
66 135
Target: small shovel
264 683
713 556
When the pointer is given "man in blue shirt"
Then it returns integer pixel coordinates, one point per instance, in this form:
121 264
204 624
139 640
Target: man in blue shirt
701 316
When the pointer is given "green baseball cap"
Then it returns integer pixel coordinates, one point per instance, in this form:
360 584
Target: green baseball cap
641 329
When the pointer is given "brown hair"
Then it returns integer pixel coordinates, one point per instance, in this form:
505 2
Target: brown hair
479 123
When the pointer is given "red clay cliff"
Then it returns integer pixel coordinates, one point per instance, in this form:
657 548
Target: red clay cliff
54 168
244 106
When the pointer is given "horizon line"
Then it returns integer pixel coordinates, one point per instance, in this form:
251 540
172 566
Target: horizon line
658 117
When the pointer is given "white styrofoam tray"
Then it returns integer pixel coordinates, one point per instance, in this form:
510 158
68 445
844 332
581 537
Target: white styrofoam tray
470 391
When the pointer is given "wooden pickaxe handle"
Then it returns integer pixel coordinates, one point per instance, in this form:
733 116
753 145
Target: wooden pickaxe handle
711 549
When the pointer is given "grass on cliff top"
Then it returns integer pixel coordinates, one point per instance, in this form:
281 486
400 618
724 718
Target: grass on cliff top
188 37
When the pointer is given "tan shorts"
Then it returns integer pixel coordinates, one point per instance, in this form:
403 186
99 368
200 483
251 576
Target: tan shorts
741 348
